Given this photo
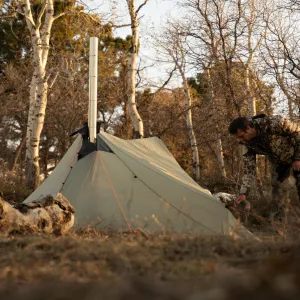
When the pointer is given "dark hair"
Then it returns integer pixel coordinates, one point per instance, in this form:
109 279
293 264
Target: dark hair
239 123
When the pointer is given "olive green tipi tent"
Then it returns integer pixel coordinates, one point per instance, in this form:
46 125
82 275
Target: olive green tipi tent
129 184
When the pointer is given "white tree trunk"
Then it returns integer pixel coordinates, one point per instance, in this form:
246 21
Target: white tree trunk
220 153
250 20
135 117
40 36
250 17
189 120
251 99
191 133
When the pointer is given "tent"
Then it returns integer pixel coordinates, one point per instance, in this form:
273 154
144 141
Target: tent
129 184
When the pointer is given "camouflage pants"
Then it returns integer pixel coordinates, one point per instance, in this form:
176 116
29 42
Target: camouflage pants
284 179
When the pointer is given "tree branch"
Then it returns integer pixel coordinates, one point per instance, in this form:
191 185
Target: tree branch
139 8
176 118
167 81
120 26
41 13
58 16
28 15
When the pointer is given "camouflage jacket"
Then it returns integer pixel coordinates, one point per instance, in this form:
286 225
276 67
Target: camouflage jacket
278 138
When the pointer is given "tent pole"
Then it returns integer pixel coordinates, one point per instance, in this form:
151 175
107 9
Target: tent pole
93 77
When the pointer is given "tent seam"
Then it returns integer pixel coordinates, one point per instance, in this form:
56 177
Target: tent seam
176 208
198 192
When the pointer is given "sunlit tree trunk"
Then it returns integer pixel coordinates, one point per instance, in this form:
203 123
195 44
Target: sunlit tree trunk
40 30
251 98
136 119
191 133
250 16
220 154
189 118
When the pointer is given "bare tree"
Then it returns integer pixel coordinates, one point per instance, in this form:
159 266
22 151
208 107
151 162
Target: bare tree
280 51
132 69
228 25
170 45
250 15
219 153
204 36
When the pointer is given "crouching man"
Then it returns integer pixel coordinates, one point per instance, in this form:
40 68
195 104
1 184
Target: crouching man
275 137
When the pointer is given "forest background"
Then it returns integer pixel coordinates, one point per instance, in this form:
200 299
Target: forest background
214 61
182 78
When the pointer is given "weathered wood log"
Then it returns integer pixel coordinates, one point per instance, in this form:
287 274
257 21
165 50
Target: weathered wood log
45 215
227 199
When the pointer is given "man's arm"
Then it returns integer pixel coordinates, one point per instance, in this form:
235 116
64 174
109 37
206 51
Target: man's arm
249 176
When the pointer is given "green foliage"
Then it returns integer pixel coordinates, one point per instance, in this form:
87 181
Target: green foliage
59 6
14 42
121 44
12 187
68 57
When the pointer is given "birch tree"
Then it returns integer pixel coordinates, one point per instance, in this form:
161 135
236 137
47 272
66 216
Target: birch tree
250 15
172 43
228 16
135 117
215 33
281 45
220 153
203 35
39 26
278 68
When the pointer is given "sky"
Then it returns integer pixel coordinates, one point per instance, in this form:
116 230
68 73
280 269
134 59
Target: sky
154 14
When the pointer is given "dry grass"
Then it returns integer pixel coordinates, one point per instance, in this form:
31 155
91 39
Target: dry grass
91 265
134 266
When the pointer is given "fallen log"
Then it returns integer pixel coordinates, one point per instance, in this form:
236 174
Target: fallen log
227 199
45 215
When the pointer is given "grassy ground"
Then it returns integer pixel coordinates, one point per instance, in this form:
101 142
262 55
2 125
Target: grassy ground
134 266
93 266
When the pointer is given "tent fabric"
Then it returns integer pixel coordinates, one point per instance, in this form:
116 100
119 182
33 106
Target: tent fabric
53 184
153 155
137 185
154 165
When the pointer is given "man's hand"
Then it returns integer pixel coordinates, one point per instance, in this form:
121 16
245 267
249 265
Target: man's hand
296 165
239 199
242 199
